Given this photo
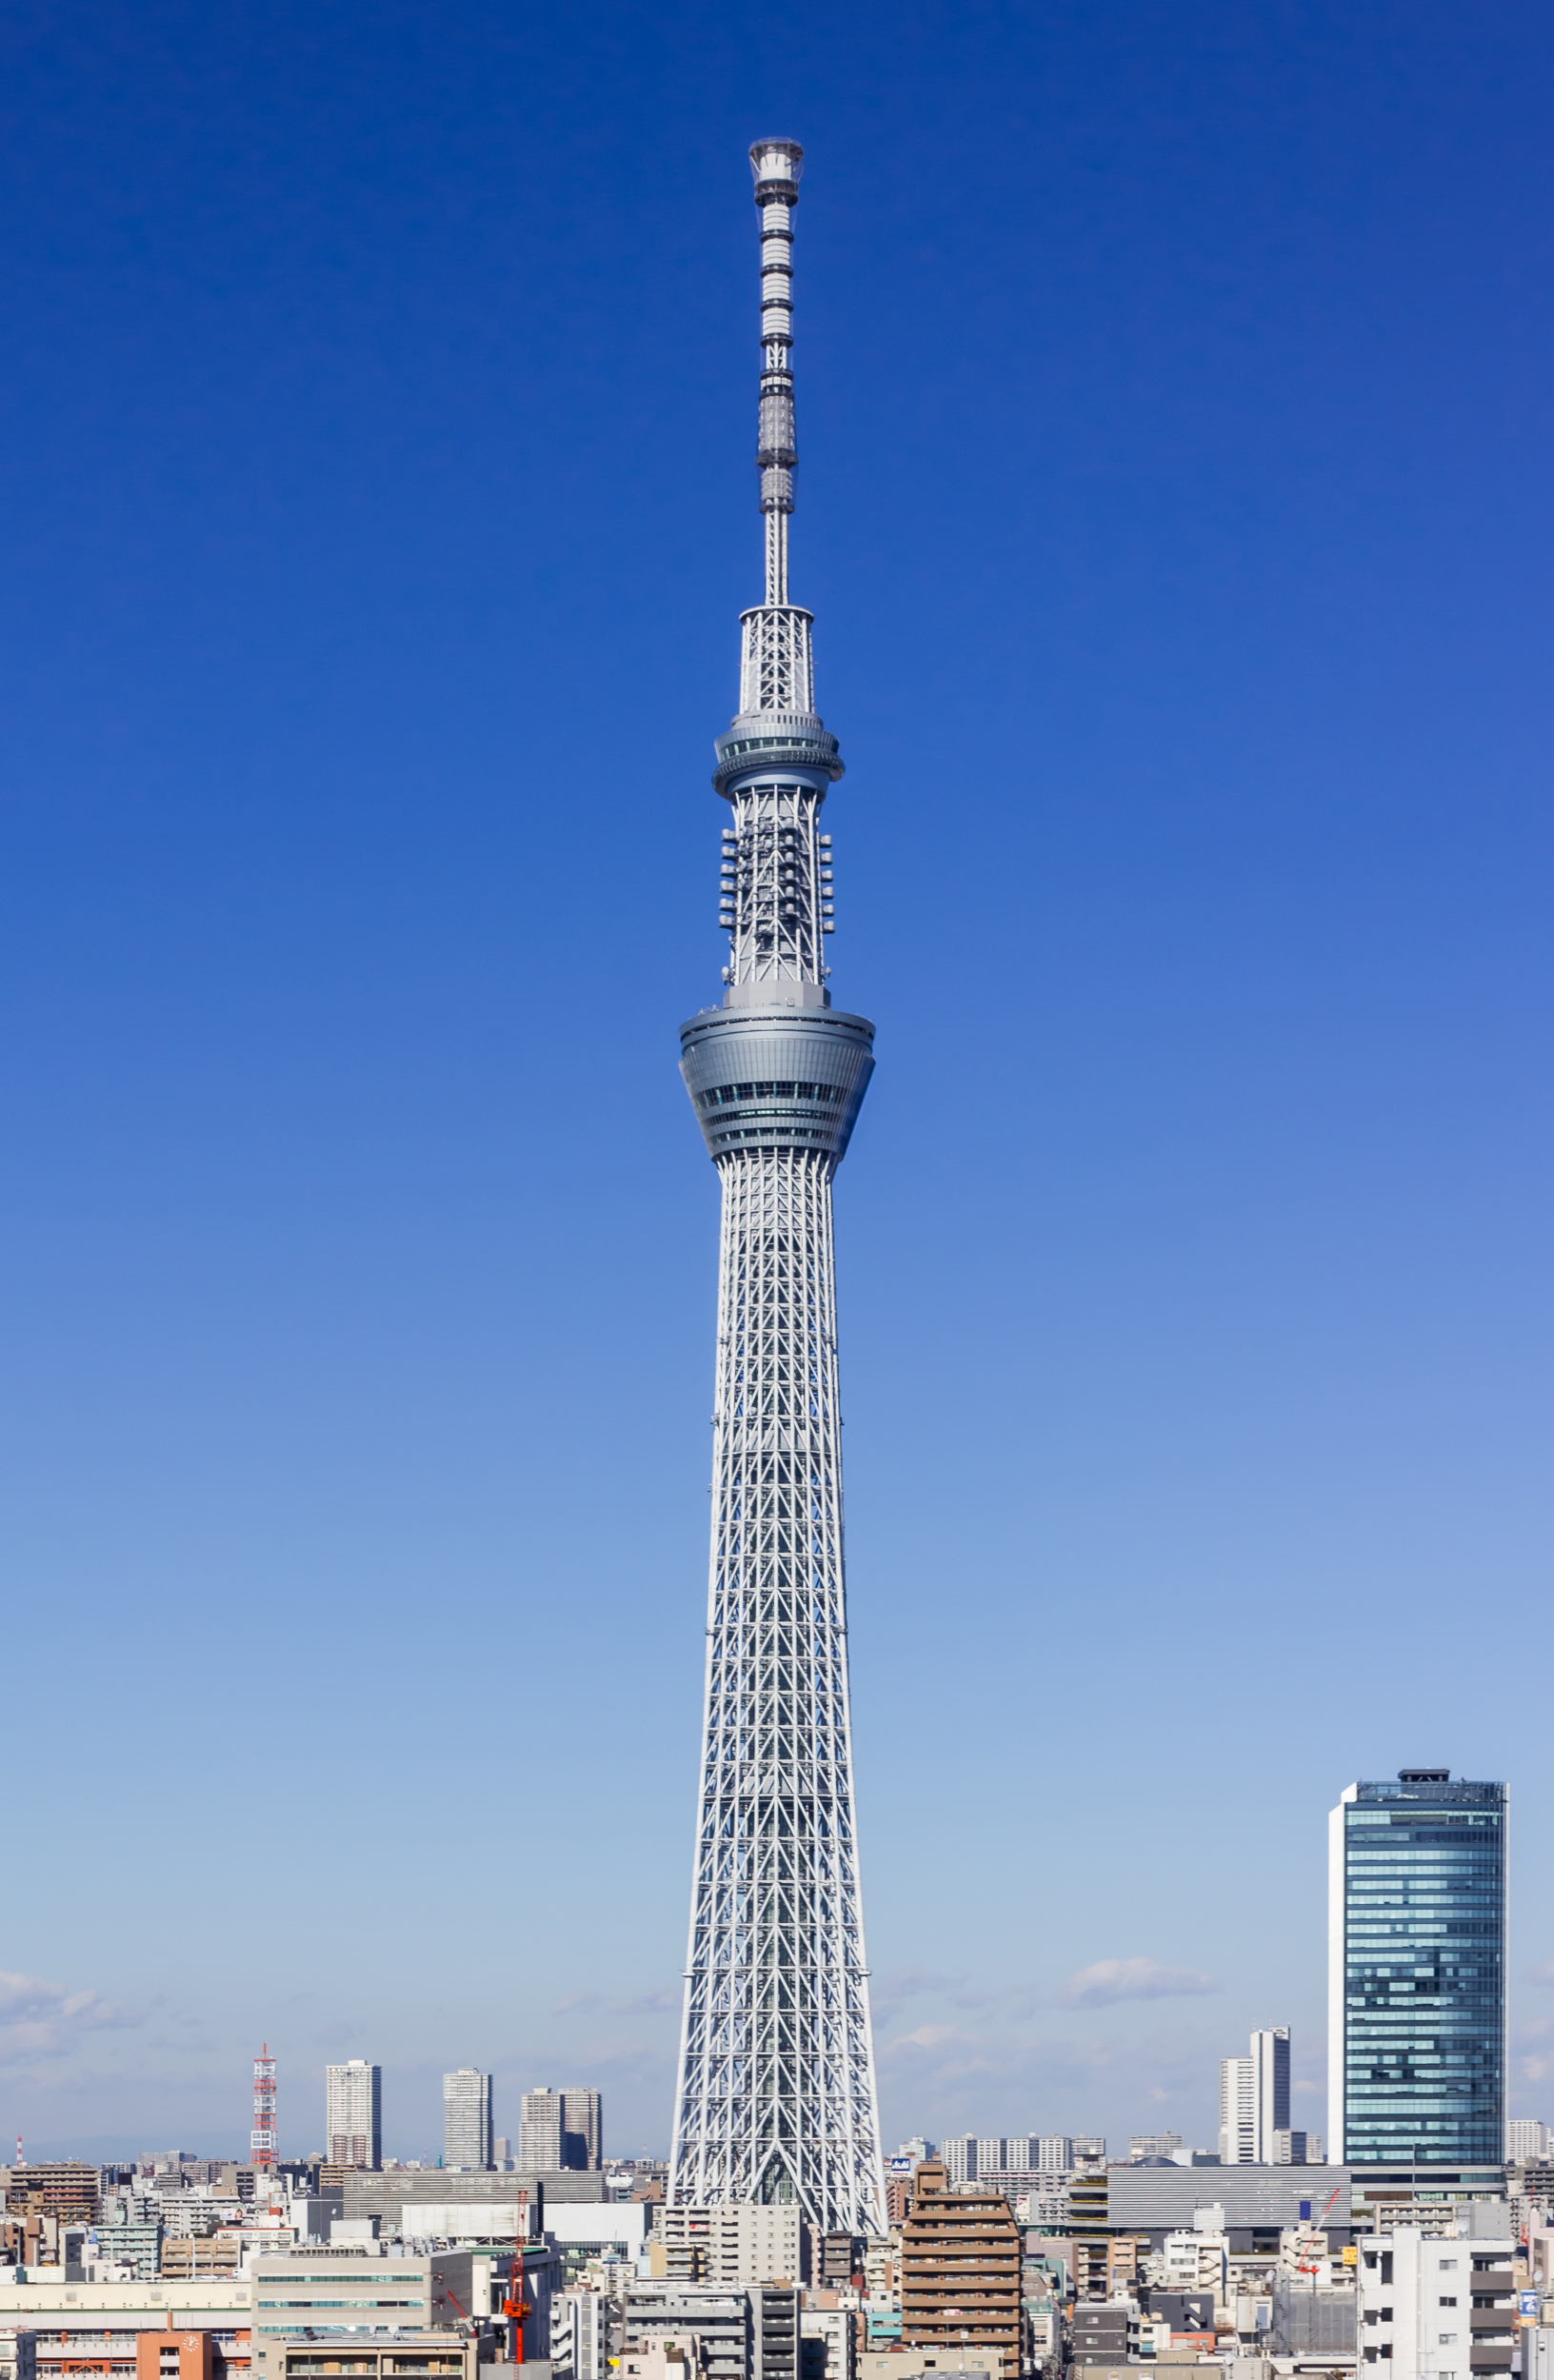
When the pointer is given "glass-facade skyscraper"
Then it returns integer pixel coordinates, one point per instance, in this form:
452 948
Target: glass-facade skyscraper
1416 1979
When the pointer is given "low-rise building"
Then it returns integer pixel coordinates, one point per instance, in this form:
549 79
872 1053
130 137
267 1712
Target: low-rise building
98 2324
386 2356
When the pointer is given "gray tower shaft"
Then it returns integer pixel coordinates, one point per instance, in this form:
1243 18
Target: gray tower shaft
776 2101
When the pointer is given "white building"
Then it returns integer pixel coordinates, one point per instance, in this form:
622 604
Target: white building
580 2333
1291 2148
990 2157
1526 2137
353 2115
1055 2154
960 2157
1417 2296
1254 2099
467 2120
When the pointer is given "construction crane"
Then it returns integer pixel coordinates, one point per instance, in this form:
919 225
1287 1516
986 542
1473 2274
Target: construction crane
512 2304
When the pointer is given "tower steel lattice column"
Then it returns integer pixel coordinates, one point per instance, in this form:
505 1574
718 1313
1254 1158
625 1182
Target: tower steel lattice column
776 2101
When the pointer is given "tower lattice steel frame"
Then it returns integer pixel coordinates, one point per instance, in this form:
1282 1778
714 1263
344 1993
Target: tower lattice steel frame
776 2101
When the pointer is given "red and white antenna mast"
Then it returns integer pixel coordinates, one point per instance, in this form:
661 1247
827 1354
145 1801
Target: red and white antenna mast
262 2139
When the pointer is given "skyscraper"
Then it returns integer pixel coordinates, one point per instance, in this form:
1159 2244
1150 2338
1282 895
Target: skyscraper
467 2119
1416 1971
582 2131
776 2099
1254 2099
561 2131
354 2113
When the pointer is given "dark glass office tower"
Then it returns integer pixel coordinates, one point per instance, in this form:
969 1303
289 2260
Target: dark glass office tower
1416 1991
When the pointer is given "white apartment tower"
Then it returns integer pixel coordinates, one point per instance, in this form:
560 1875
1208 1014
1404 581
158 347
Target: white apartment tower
1254 2100
467 2120
776 2101
353 2115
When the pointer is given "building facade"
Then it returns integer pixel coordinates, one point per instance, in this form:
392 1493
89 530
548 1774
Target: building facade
1438 2309
1416 1978
776 2098
467 2120
353 2115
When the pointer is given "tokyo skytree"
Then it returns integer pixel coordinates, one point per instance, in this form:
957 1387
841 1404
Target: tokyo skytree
776 2101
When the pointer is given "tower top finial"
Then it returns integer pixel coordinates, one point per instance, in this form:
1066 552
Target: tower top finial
776 166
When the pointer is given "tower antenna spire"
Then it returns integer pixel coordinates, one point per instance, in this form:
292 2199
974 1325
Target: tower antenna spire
776 166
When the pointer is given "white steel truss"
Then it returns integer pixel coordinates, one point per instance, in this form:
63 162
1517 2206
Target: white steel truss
776 2101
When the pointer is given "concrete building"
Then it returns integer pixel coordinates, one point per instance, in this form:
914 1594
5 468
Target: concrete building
1526 2137
1144 2144
467 2120
540 2131
388 2355
1416 1974
1292 2147
990 2157
1254 2099
397 2197
740 2333
1055 2154
960 2273
98 2324
959 2157
828 2344
740 2245
353 2115
350 2292
1438 2309
1252 2204
580 2334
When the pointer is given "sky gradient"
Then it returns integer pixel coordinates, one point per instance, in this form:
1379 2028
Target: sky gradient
376 506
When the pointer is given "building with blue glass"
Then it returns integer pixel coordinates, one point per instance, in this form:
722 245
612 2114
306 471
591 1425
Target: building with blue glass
1416 1978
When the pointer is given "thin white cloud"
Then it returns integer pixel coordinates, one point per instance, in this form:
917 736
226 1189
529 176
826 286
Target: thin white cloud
1110 1979
39 2019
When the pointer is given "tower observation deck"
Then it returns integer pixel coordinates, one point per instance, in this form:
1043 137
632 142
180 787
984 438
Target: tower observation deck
776 2101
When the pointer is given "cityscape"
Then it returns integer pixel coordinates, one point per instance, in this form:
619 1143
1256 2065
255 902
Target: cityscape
775 2225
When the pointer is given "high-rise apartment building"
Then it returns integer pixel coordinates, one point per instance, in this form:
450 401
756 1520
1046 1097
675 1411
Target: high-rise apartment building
467 2120
958 2156
582 2131
776 2098
561 2131
1055 2154
959 2275
1254 2099
1416 1972
1141 2145
990 2156
1526 2137
353 2115
538 2131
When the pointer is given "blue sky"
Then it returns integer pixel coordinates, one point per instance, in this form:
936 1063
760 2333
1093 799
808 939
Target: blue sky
377 505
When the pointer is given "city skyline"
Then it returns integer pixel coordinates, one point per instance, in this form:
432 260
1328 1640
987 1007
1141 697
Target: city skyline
377 466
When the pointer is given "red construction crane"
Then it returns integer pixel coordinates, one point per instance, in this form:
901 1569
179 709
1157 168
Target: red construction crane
512 2304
